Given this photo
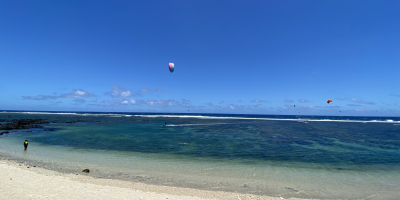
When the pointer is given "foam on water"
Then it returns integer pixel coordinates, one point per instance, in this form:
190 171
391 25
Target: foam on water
196 124
270 119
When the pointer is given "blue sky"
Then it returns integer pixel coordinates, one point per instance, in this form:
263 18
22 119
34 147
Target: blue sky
253 57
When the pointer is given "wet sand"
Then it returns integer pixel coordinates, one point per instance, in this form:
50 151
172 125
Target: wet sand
19 181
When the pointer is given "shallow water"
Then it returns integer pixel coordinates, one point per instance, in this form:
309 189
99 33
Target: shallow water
288 156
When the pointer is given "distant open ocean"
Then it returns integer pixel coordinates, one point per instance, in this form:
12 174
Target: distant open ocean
325 157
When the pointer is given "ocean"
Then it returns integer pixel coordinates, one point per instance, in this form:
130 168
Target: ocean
323 157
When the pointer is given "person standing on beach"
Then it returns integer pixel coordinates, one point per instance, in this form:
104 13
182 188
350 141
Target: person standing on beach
26 144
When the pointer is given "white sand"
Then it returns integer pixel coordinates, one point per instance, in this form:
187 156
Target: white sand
17 181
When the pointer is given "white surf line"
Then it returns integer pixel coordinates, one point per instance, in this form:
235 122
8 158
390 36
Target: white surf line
271 119
195 124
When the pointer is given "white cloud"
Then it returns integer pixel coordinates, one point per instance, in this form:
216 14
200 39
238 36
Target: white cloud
55 102
79 100
80 92
360 110
122 102
151 102
39 97
184 101
119 92
362 101
258 101
353 105
77 93
354 100
308 106
126 93
303 101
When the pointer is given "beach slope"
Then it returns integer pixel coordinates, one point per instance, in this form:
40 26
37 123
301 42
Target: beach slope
18 181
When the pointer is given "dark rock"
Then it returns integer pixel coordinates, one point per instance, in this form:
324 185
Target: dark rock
86 170
74 121
23 124
292 189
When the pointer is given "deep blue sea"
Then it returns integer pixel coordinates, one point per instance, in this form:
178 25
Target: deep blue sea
326 157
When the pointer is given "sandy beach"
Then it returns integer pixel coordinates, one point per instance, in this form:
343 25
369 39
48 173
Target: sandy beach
19 181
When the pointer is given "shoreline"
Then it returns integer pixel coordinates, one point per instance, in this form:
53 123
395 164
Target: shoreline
20 181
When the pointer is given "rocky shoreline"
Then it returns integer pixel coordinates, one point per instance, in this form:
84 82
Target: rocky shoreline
26 124
23 124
